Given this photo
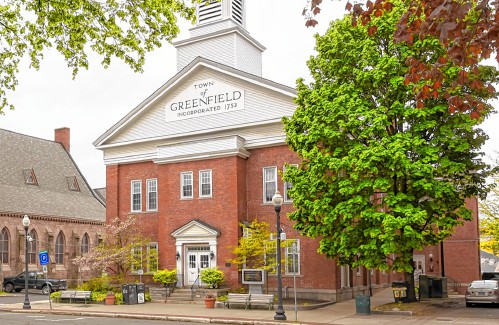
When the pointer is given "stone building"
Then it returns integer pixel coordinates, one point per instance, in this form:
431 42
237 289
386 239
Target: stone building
204 154
38 178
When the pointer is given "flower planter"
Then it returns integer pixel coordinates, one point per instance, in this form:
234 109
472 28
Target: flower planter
209 302
110 300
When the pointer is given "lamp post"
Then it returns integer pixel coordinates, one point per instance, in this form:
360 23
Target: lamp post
277 202
26 304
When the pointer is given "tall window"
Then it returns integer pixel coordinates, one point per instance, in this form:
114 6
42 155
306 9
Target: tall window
85 244
59 249
152 195
288 186
152 257
269 183
205 183
136 197
292 256
270 256
32 247
4 245
186 185
136 259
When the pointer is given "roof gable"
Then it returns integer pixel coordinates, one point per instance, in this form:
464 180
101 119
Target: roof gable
258 101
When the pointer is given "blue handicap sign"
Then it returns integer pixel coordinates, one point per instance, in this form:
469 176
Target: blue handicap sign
44 258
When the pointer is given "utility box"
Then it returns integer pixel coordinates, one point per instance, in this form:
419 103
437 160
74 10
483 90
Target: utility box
129 292
141 293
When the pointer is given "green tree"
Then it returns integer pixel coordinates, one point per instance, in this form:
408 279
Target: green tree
256 249
379 175
489 219
120 29
250 252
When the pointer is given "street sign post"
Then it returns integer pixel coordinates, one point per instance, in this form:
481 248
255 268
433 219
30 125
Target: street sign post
44 257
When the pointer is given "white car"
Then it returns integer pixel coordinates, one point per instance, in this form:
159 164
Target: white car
482 292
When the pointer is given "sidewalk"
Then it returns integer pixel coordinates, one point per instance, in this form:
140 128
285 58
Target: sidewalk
339 313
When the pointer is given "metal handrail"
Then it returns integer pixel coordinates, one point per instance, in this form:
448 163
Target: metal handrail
195 286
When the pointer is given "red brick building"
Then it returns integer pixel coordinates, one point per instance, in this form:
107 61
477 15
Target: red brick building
203 154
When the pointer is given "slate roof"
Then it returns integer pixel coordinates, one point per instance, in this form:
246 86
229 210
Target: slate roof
52 166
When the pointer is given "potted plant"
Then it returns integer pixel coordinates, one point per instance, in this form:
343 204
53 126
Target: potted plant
209 300
212 277
110 298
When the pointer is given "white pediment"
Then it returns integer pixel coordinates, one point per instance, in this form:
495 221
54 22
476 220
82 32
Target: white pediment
205 97
195 229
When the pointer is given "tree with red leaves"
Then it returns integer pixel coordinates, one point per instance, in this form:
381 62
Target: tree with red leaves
467 29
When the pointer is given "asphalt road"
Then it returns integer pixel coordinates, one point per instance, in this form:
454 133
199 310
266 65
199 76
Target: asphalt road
37 319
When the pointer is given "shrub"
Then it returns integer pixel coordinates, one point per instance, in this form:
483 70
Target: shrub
56 296
165 277
213 277
96 284
99 296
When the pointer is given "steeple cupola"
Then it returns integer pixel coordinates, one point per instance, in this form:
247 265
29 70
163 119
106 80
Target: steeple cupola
220 35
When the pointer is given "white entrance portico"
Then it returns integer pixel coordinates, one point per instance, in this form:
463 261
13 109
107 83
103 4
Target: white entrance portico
196 245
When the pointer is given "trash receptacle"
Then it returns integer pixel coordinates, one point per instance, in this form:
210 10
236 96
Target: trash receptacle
400 291
363 305
424 287
129 292
141 293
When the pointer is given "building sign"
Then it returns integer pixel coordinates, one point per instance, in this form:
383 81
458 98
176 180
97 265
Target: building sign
204 98
253 276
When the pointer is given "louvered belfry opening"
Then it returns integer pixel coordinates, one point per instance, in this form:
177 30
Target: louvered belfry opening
208 11
237 11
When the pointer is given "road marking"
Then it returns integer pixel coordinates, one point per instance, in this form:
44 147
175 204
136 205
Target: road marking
64 319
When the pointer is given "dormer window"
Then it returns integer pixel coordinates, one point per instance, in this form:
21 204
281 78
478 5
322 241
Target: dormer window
29 177
73 183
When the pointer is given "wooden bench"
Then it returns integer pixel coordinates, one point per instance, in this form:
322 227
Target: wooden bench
76 295
237 298
261 299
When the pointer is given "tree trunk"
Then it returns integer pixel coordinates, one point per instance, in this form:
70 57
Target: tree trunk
411 290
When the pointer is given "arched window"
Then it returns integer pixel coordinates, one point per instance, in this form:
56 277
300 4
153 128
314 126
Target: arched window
32 247
4 245
85 244
59 249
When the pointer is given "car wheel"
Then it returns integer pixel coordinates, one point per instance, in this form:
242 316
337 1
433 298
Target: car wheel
468 304
9 287
45 290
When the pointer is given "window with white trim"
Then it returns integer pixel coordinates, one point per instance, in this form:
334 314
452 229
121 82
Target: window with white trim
292 256
205 183
136 196
136 259
186 185
269 183
152 194
288 186
152 258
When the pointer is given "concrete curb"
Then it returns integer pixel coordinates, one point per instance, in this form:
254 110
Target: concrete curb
173 318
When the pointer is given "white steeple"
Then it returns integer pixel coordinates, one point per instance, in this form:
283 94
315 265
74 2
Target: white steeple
220 35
